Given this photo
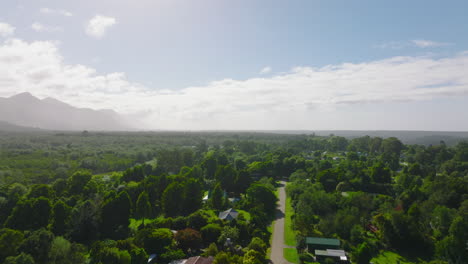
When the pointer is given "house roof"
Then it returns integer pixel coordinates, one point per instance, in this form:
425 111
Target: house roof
199 260
229 214
337 253
323 241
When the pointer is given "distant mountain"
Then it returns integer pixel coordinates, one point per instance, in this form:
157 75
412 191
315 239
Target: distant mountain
8 127
28 111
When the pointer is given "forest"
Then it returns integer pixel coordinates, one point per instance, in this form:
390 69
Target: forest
102 197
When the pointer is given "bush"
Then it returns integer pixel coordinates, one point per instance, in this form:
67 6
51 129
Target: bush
154 240
210 233
188 239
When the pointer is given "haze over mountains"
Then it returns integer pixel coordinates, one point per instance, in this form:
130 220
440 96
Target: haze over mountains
28 111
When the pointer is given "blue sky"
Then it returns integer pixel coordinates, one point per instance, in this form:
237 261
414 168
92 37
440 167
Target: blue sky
213 64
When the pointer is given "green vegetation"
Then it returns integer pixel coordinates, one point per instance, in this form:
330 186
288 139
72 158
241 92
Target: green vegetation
119 197
389 257
290 254
289 233
377 194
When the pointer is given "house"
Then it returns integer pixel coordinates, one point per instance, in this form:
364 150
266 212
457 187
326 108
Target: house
229 215
338 255
194 260
320 243
199 260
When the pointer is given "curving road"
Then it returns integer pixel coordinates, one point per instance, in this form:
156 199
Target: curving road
277 243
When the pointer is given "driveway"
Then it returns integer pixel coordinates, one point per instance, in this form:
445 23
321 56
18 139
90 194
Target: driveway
277 243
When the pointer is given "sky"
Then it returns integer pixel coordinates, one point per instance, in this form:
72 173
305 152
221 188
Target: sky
245 64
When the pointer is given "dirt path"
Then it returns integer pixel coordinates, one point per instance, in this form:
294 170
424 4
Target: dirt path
277 243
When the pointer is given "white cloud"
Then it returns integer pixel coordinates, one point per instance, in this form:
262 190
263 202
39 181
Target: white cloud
391 45
51 11
6 30
255 103
421 43
36 26
98 25
265 70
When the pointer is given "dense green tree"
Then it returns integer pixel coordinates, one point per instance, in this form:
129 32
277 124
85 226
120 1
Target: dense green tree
363 253
172 198
260 194
10 240
115 216
38 209
143 206
38 244
78 181
110 255
258 245
216 199
210 233
209 165
61 217
38 190
192 196
20 259
380 173
154 240
85 221
226 176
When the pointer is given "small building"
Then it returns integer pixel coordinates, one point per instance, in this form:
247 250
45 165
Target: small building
338 255
194 260
199 260
229 215
320 243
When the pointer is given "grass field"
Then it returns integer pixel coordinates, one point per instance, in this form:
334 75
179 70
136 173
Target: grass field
289 234
290 254
389 257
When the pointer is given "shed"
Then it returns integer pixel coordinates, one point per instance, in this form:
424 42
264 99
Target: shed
337 254
314 243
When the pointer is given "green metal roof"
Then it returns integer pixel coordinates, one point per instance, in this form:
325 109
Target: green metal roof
323 241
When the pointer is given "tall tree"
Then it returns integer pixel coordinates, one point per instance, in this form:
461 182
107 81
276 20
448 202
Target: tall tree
171 199
115 216
61 214
143 206
216 199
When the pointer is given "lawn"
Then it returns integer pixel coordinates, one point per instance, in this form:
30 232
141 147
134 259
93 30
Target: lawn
289 234
290 254
389 257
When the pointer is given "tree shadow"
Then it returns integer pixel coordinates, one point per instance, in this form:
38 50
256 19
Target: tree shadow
278 214
278 185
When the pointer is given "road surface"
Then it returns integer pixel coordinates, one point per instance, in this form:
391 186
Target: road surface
277 242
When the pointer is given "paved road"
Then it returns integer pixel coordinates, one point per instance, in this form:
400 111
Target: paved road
277 243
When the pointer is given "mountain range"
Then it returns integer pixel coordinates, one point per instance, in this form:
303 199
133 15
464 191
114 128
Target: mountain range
26 110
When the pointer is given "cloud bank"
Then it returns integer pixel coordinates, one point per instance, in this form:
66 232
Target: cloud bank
38 67
98 25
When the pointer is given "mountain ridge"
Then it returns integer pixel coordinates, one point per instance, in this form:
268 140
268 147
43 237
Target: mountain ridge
26 110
